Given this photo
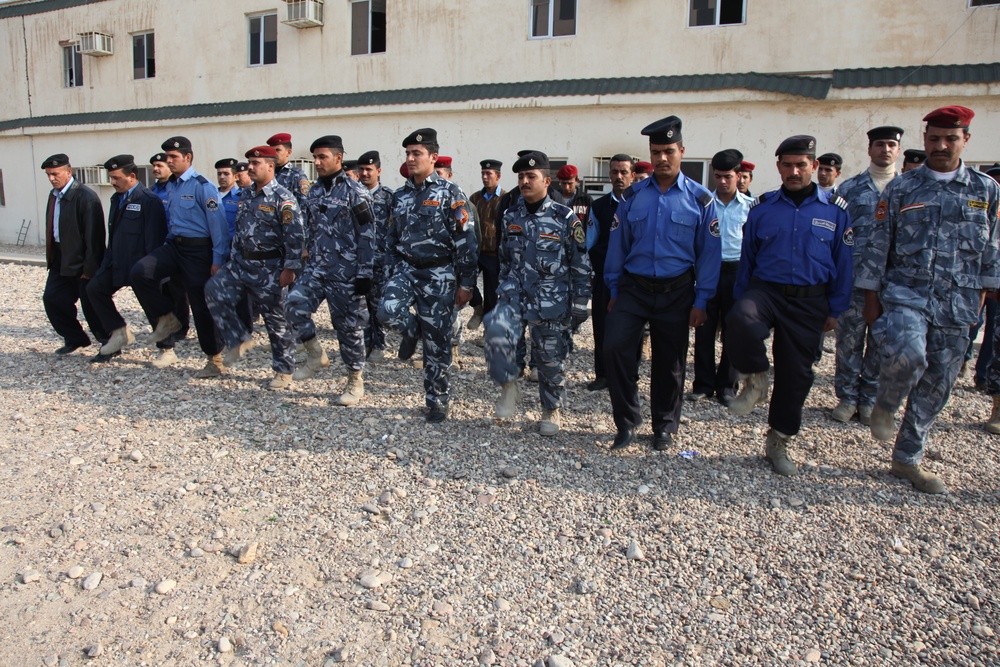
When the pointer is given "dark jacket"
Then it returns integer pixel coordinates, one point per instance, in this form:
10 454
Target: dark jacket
134 230
81 232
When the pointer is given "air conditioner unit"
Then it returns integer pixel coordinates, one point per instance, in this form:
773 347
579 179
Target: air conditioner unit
96 175
304 13
96 44
307 166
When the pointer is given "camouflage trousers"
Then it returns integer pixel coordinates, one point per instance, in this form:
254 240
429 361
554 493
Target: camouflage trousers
375 330
348 314
856 378
920 363
226 290
549 344
433 299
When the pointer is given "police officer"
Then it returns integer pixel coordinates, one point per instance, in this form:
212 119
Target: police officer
241 173
487 204
289 176
173 288
662 268
266 257
432 256
229 192
745 173
351 169
602 213
732 208
830 167
369 175
341 244
931 255
137 225
544 283
569 186
643 170
74 248
795 278
197 246
856 378
913 158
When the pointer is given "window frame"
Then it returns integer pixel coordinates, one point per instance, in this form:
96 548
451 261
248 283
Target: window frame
718 13
262 39
550 24
72 77
706 171
149 63
370 26
983 3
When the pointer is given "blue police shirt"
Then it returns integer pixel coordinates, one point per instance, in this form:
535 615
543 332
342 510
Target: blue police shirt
195 212
231 206
805 245
663 234
161 190
732 217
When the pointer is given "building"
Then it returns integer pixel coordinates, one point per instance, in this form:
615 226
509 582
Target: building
576 78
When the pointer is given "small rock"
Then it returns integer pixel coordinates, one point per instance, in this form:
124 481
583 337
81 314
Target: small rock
30 576
405 563
94 650
75 572
585 586
486 499
197 552
386 498
370 581
501 605
509 472
50 660
813 655
721 603
165 586
375 605
796 501
247 553
135 455
643 489
92 581
442 608
76 461
371 508
280 628
337 655
225 646
560 661
979 524
557 638
973 602
634 552
488 657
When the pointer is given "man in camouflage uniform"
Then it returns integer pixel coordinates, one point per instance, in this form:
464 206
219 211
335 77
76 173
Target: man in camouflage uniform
341 244
931 255
288 175
544 283
265 257
432 253
856 380
369 172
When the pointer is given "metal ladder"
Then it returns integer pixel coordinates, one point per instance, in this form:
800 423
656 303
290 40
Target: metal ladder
23 234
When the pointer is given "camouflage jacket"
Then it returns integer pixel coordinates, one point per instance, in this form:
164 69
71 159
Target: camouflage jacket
382 205
933 245
862 197
269 220
294 179
544 267
340 229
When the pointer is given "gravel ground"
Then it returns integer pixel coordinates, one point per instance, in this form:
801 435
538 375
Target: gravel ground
153 519
12 249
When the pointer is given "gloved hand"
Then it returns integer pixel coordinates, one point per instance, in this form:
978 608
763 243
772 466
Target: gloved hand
362 286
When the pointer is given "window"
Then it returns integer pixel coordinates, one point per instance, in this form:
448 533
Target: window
717 12
3 200
367 27
697 170
143 56
983 3
553 18
72 67
145 175
263 39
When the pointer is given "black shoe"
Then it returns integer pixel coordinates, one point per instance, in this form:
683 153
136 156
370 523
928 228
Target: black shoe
69 348
696 396
437 414
662 441
623 439
725 398
104 358
598 384
407 347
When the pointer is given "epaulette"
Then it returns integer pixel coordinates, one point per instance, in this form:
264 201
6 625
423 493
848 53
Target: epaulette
757 200
837 200
705 198
201 179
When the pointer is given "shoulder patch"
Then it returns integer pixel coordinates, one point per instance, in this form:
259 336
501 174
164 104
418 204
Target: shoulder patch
615 223
212 205
837 200
287 215
713 228
849 236
881 210
705 199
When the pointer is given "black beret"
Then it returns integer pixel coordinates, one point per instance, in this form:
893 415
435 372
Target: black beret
423 136
885 132
491 164
350 165
726 160
914 156
159 157
329 141
831 160
119 161
664 131
241 166
800 144
528 150
57 160
181 144
993 170
531 160
371 157
226 163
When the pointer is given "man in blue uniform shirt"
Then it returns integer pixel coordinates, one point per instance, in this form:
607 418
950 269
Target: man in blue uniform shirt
197 246
795 278
931 256
173 288
662 268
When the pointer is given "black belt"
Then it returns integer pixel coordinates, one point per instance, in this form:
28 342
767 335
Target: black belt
730 267
662 285
798 291
263 254
430 263
188 241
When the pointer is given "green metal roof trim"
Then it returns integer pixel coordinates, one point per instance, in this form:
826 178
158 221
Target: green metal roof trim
881 77
29 8
813 87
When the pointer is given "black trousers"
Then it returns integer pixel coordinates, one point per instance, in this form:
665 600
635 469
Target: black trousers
59 298
668 315
193 264
599 298
711 379
101 291
174 287
798 328
489 267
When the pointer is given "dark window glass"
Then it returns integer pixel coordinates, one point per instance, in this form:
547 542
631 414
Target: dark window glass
359 28
143 56
730 12
72 67
378 26
693 169
270 39
540 18
564 22
255 31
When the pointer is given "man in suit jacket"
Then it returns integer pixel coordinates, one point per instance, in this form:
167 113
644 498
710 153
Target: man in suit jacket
137 225
74 247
